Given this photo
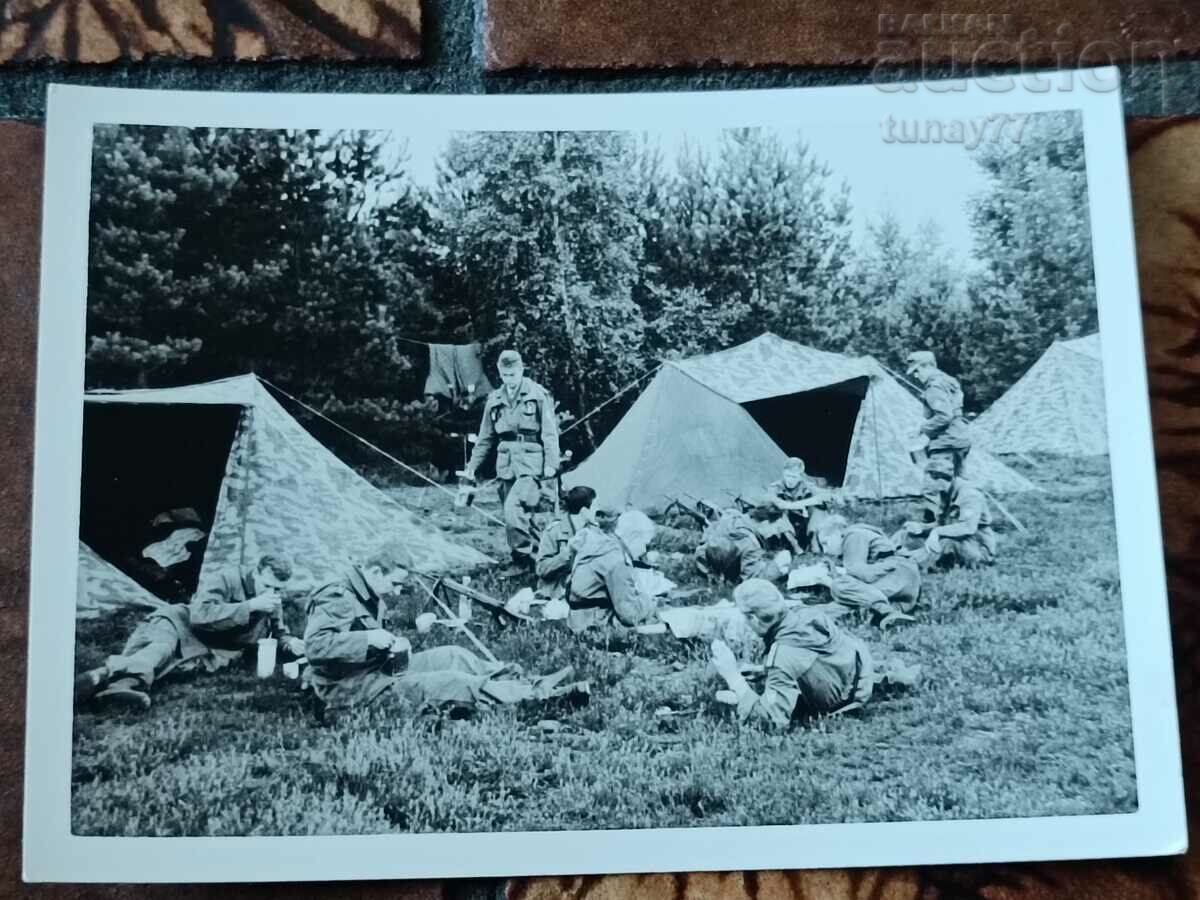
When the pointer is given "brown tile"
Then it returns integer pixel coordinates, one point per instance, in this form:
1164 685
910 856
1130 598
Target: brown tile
98 31
20 218
613 33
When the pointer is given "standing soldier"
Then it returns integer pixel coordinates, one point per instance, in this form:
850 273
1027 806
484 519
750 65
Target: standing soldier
946 439
519 420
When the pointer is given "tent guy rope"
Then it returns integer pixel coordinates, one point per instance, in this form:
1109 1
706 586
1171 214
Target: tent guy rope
362 440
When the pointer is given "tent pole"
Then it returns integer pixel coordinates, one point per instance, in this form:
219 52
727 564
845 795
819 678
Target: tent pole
462 625
878 465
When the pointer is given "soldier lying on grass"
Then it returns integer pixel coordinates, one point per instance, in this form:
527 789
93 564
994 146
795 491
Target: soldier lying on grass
734 548
355 662
873 575
813 667
214 629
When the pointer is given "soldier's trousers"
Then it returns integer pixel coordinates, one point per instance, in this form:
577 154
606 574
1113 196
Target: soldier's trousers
898 587
151 650
520 498
452 676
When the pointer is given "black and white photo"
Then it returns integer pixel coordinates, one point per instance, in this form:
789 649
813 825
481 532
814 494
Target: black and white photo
535 485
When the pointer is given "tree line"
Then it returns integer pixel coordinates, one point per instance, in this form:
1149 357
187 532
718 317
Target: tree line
314 259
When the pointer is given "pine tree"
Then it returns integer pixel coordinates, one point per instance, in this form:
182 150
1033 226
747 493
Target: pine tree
545 247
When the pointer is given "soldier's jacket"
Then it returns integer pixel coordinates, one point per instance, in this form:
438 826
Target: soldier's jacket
523 429
603 579
733 549
864 547
812 667
222 618
554 556
967 516
944 424
344 670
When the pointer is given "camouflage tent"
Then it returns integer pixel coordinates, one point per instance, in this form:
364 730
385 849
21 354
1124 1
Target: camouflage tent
104 587
721 425
1055 407
229 451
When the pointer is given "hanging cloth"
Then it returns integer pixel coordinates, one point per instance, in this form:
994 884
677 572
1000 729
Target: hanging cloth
456 370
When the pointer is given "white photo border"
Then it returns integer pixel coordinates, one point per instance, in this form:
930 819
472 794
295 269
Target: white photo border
52 853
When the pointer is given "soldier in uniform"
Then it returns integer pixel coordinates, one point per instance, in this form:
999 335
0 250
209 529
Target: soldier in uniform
239 608
874 576
556 552
798 496
944 432
813 667
519 421
162 643
214 629
603 586
734 548
356 662
961 536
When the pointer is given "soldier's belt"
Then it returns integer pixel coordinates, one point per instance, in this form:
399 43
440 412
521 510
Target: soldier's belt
521 439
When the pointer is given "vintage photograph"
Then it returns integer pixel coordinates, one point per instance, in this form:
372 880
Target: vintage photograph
478 481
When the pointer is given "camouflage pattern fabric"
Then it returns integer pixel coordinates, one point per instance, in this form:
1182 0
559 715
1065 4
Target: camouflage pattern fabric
1056 407
104 588
284 493
888 423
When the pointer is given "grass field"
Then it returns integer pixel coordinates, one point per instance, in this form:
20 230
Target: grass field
1023 711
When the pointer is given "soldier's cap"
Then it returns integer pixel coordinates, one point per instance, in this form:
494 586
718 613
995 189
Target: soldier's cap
919 357
793 464
509 359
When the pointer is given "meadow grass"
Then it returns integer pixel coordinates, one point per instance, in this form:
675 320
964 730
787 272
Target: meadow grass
1022 711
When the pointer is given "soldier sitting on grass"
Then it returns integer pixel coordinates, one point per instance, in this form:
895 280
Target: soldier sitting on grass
355 662
803 502
961 535
603 586
237 609
227 618
556 553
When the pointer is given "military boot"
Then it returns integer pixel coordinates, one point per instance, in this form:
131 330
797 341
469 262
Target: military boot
89 682
126 694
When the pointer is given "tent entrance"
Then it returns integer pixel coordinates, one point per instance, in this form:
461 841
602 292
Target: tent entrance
143 459
816 425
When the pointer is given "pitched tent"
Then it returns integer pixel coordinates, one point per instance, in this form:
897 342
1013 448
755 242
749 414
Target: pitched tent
103 588
1055 407
228 450
721 425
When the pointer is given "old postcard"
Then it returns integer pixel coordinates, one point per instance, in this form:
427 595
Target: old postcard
460 486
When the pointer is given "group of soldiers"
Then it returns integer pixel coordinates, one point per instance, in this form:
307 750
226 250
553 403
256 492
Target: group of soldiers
588 558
